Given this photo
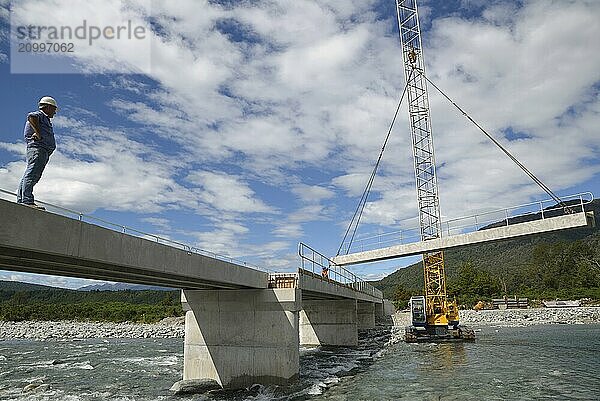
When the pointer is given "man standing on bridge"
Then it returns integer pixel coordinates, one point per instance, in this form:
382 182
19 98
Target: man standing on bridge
39 136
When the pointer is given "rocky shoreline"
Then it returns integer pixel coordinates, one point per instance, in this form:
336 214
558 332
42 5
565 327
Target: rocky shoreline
529 317
48 331
174 327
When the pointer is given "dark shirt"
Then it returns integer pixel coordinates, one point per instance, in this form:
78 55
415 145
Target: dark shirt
46 132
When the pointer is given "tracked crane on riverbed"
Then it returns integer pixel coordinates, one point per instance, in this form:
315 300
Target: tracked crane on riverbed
434 317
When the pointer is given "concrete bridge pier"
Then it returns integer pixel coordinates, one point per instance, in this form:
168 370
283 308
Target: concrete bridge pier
329 322
379 311
241 337
384 312
365 315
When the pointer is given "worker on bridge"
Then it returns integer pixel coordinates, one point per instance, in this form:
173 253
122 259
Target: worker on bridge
39 136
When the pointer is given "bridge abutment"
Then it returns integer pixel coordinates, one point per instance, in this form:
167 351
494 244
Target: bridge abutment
242 337
329 322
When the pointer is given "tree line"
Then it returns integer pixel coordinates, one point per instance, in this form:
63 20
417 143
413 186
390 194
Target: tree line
108 306
564 270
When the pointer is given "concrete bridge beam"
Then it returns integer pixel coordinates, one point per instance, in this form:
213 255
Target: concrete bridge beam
581 219
329 322
242 337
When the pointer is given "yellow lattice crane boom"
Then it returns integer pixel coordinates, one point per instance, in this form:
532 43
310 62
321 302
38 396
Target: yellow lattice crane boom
433 316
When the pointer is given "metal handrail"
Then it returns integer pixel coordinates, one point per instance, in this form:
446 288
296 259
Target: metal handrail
393 238
335 273
141 234
478 221
581 196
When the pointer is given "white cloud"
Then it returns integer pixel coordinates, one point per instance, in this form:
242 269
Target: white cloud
158 222
53 281
319 63
291 226
394 208
227 193
312 193
289 230
534 72
285 262
226 240
353 183
308 213
374 276
13 148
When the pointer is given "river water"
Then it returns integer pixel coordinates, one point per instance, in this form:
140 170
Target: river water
545 362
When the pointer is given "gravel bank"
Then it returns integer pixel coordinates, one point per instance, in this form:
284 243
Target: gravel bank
528 317
37 330
174 327
519 317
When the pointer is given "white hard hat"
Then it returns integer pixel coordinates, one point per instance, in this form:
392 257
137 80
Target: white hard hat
47 100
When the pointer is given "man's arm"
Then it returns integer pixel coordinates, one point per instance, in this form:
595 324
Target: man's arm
37 132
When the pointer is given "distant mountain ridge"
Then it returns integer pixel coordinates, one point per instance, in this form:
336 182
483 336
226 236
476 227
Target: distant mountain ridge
14 286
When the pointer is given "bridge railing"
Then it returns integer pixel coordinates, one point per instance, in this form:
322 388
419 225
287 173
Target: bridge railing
323 267
137 233
537 210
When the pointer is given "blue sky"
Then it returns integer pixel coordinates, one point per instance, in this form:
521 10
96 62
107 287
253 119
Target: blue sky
257 124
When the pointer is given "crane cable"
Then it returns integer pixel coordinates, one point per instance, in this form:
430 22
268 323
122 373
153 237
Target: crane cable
363 200
498 144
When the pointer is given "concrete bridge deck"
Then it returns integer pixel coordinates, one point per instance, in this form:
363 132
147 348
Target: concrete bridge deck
36 241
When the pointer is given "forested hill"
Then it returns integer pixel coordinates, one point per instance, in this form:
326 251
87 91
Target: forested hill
22 301
560 264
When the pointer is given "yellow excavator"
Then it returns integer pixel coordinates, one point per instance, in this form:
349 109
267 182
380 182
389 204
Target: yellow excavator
434 317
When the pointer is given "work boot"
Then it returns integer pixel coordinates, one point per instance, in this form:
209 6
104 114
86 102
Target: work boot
35 206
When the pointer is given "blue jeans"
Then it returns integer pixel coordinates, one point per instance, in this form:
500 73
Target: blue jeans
37 158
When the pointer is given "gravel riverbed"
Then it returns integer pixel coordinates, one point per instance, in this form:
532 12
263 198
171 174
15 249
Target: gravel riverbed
518 317
174 327
528 317
40 330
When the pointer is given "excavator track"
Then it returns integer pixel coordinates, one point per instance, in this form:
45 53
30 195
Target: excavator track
438 334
